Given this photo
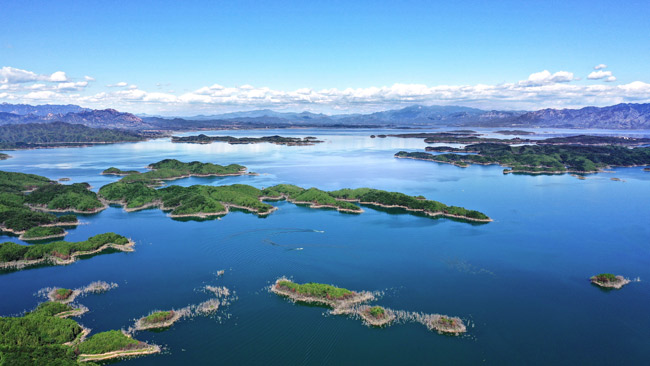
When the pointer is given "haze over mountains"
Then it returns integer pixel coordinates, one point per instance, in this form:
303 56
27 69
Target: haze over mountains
620 116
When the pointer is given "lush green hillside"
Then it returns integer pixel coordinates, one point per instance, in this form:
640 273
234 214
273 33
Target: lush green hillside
74 197
37 338
40 337
30 135
17 217
136 193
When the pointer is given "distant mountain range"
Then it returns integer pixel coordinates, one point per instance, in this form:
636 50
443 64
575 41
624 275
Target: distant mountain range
620 116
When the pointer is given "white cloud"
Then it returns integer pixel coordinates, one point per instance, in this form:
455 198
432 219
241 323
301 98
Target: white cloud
11 75
545 77
539 90
58 76
72 86
89 78
600 74
600 67
120 84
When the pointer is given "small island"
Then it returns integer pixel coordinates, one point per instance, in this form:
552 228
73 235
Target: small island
172 169
514 132
446 324
317 293
63 295
277 140
646 169
47 336
4 156
16 256
376 316
608 280
119 172
158 319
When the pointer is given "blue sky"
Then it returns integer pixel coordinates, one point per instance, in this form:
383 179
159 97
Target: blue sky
305 54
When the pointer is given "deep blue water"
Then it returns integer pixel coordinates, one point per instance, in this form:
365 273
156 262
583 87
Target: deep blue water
520 282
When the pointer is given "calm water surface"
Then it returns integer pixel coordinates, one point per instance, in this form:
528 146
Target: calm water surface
520 282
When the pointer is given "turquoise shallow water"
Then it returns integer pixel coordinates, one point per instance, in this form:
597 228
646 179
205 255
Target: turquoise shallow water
520 282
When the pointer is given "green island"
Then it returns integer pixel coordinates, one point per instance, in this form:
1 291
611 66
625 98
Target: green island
204 201
171 169
539 159
60 134
339 299
46 336
646 169
608 280
18 218
16 256
277 140
376 316
4 156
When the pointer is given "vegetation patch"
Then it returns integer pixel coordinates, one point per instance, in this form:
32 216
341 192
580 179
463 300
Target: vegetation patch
376 316
43 232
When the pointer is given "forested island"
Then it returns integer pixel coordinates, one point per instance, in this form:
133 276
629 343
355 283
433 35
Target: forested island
204 201
4 156
16 256
171 169
46 336
466 138
608 280
278 140
536 159
61 134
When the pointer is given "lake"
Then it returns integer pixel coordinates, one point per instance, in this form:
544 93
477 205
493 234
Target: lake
520 282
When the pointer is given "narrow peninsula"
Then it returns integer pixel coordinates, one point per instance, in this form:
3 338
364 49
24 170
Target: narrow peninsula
16 256
317 293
